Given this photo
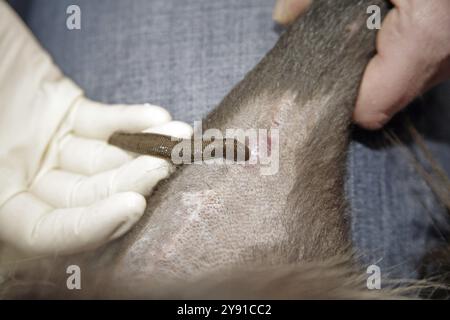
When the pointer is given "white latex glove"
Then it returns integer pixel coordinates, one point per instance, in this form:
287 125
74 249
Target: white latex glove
63 189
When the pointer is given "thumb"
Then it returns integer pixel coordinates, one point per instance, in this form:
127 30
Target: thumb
412 57
286 11
388 85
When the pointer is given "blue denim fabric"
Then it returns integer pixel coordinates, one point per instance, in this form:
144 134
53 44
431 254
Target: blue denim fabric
186 55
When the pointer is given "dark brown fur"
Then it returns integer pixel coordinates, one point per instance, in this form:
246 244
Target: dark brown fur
307 87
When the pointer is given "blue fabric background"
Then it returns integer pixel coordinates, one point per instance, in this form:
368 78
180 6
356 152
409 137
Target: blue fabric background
186 55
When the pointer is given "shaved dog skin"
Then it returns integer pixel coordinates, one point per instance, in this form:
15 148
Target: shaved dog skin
215 222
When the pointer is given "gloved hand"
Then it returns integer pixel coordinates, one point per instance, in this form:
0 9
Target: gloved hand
63 189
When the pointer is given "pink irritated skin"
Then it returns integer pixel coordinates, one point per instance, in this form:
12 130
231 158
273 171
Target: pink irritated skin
235 216
228 218
209 218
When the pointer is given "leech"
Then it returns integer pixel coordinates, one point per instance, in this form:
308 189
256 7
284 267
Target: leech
161 146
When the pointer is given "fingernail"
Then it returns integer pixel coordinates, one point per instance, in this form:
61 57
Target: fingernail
286 11
279 11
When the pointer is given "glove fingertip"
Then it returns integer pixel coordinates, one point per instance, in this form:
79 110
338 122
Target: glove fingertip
158 114
176 129
134 205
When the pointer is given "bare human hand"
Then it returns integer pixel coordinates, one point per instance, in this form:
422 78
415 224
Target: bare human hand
413 54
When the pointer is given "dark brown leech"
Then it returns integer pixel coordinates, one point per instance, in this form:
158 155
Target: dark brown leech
321 58
161 146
